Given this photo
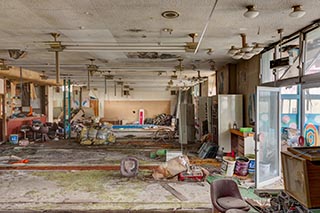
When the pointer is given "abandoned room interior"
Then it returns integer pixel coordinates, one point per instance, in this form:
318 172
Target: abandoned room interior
159 106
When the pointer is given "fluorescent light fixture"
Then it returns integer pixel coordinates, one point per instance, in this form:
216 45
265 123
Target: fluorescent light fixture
115 48
297 12
251 12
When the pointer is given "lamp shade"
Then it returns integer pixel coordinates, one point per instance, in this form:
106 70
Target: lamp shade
246 48
257 49
248 55
297 12
233 50
238 55
251 12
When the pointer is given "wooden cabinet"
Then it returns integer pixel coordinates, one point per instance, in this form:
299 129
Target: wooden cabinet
242 143
301 169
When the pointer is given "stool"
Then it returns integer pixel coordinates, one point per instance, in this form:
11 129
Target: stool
24 129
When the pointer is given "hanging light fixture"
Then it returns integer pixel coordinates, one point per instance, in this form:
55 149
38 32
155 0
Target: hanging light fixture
251 12
238 55
245 52
257 48
233 50
297 11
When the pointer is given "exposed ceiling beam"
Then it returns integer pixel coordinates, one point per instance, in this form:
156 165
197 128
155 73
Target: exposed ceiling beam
27 76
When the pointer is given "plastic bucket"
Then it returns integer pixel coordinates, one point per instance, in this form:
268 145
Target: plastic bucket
241 167
227 167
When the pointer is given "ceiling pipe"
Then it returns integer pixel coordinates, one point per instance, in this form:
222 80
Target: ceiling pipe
88 80
105 84
55 36
205 27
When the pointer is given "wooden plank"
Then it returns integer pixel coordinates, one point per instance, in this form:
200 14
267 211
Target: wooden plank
309 153
174 192
241 134
27 76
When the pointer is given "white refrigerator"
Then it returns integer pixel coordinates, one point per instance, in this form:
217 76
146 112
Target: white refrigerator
225 111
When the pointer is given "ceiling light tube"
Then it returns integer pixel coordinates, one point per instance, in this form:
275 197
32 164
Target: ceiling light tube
122 50
139 44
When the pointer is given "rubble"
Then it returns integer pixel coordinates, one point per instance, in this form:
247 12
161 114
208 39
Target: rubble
160 120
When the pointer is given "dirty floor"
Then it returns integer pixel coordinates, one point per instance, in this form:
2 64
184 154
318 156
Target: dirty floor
93 190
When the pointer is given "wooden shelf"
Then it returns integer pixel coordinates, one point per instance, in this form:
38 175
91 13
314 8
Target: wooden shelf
241 134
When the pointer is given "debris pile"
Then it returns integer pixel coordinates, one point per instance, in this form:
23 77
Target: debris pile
160 120
179 167
96 135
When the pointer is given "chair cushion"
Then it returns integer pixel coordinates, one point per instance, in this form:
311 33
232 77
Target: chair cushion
231 203
235 211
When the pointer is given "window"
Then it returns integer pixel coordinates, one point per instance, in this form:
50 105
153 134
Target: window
266 72
313 52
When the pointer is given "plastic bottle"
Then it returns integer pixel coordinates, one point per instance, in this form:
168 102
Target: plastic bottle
235 125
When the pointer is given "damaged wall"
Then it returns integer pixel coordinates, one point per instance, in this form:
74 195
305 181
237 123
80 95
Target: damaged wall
137 94
128 111
247 81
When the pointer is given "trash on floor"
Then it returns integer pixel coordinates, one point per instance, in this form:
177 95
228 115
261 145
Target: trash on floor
96 135
171 168
129 167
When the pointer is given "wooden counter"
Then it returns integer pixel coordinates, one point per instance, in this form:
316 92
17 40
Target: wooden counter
242 143
241 134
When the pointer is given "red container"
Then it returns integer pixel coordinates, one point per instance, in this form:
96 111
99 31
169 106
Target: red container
241 167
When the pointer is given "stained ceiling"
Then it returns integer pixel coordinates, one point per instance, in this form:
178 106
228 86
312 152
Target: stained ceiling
26 25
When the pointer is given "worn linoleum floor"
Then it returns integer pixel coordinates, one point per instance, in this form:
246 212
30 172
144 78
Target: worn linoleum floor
94 190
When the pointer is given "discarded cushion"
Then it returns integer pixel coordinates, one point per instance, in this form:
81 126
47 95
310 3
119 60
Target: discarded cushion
231 203
129 167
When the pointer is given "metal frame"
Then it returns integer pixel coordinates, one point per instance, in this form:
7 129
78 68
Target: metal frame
271 89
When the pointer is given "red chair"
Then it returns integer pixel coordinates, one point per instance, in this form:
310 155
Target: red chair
225 195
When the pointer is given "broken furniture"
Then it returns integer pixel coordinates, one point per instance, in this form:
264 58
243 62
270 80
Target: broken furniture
24 129
301 168
208 150
39 128
225 195
242 143
14 124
